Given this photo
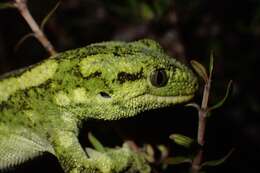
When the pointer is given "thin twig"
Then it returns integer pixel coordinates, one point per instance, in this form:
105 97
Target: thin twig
201 127
203 113
23 9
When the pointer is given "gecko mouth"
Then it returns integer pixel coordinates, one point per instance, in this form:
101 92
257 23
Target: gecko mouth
168 99
147 101
130 107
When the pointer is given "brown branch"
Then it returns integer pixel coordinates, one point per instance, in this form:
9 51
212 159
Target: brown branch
23 9
196 163
203 113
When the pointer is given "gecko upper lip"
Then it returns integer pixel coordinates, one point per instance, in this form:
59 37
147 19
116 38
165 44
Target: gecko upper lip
174 99
167 99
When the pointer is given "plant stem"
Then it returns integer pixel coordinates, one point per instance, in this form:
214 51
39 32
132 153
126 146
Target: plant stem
203 113
23 9
201 127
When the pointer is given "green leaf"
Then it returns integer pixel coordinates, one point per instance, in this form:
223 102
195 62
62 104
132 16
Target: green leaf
211 63
177 160
96 143
163 151
221 102
146 12
6 5
217 162
22 40
195 105
149 149
200 69
149 153
47 17
182 140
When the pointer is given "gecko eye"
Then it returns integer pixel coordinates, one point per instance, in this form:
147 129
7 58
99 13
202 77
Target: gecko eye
159 78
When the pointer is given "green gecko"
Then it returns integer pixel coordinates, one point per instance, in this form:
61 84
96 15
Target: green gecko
42 107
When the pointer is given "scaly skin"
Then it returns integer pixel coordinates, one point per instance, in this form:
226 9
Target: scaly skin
43 106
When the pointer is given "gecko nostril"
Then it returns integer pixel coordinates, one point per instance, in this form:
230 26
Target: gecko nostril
105 95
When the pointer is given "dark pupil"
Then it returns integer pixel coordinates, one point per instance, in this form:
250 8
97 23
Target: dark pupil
159 78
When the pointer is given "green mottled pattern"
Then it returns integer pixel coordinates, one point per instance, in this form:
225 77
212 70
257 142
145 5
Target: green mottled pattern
47 102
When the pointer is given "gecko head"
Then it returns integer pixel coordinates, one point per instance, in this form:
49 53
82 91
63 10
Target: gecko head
124 79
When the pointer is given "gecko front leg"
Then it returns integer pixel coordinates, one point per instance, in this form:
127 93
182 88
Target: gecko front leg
74 159
70 154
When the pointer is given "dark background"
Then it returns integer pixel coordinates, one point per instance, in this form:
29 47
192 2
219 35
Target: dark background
187 30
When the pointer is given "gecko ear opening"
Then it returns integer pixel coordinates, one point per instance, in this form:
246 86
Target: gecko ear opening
104 94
